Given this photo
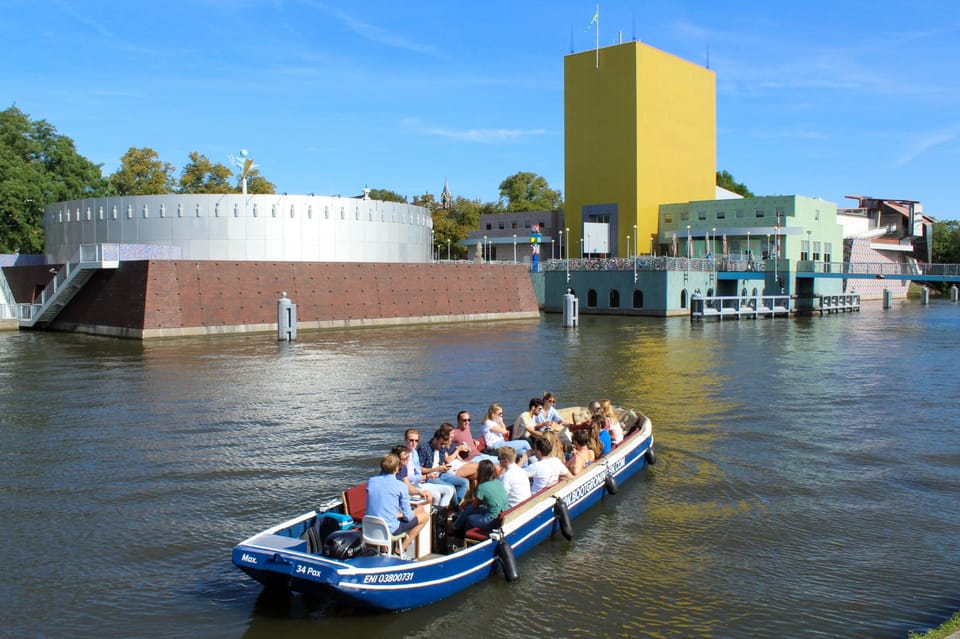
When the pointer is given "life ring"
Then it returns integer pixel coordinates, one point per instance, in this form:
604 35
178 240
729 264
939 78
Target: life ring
562 515
507 561
650 456
611 485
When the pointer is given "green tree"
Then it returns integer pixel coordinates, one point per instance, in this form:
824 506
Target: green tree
38 166
726 181
385 195
142 172
946 242
525 191
200 175
427 201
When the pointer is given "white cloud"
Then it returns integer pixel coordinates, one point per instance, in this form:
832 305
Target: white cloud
920 143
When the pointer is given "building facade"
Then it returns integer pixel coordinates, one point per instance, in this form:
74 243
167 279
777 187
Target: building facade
505 237
234 227
639 130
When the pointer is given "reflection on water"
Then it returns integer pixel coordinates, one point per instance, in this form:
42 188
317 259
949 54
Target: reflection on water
806 484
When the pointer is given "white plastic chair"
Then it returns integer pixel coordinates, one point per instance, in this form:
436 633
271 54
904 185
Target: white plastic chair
377 533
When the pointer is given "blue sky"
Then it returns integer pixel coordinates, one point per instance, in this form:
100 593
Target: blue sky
814 98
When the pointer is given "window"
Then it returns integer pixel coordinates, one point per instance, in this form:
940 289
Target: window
500 226
739 212
701 215
489 226
816 214
638 299
513 225
684 216
759 213
668 219
614 298
721 215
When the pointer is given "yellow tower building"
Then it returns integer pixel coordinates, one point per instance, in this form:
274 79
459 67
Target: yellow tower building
640 131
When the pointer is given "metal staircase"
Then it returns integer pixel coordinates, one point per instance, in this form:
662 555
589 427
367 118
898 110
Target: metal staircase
67 282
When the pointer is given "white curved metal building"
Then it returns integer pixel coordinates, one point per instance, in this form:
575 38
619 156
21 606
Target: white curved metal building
276 227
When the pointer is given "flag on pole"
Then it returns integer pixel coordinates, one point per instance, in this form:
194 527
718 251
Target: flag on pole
594 20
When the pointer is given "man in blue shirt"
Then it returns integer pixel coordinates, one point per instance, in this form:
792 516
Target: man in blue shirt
389 499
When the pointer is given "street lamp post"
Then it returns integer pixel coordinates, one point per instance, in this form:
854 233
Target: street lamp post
748 246
581 249
636 241
628 247
514 248
486 253
713 243
561 244
567 260
448 249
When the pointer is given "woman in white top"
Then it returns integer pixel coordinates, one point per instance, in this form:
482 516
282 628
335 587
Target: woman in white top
494 432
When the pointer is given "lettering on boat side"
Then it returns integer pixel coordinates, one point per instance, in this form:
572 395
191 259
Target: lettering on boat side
591 485
309 571
250 559
388 578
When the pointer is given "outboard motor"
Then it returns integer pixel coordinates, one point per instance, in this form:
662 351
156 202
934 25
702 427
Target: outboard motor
343 544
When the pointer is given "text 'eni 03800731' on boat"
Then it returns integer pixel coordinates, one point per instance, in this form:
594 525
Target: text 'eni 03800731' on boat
332 552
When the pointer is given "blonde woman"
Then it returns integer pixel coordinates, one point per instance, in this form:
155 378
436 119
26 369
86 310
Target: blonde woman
495 432
613 424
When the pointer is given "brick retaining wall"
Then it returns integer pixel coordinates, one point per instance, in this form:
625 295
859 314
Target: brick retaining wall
178 297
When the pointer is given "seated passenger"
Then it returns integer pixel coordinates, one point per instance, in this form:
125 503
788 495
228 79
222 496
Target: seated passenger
547 470
389 499
466 445
526 424
600 442
582 454
494 432
490 500
514 479
438 494
439 461
550 419
557 449
613 423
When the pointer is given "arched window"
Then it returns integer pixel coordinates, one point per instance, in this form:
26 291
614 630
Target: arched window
592 298
614 298
683 298
638 299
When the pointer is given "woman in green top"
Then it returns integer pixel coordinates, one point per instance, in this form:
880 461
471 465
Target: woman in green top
490 500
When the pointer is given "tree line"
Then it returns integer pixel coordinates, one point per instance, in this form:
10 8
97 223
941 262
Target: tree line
39 166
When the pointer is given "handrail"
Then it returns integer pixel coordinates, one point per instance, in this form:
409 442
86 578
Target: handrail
87 256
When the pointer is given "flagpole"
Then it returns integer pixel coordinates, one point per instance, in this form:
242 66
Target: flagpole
598 35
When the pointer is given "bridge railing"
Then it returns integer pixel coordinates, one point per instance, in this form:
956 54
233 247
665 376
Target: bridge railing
641 263
880 268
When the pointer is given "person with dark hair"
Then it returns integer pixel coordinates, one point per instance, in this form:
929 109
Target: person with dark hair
526 424
582 454
439 461
490 499
389 499
547 470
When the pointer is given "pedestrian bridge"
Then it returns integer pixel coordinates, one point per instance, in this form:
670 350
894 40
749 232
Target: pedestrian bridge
730 269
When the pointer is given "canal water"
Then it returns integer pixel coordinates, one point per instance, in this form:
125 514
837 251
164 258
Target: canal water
807 483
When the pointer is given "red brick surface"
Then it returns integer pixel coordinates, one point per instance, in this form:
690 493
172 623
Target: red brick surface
151 295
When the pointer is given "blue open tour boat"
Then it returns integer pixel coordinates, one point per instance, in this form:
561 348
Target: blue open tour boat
329 552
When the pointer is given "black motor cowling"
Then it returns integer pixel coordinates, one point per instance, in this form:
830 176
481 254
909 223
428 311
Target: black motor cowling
343 544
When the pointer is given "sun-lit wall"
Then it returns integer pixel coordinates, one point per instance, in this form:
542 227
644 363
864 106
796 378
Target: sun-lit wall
292 228
640 130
